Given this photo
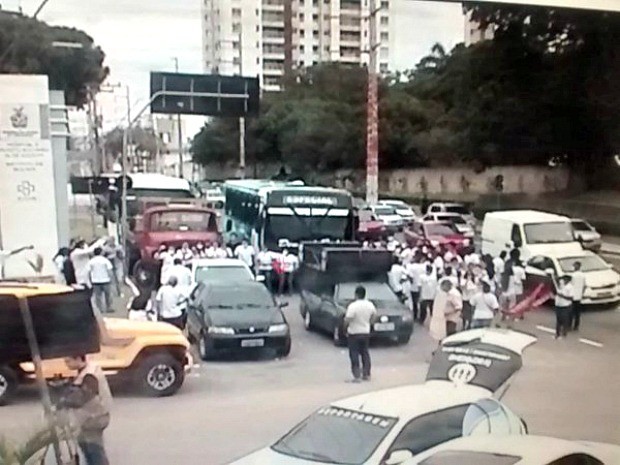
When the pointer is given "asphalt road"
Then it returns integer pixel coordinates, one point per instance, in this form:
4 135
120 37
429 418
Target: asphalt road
568 388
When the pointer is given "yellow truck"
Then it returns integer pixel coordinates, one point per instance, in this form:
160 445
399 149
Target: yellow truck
153 356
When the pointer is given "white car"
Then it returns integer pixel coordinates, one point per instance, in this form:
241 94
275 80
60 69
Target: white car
390 426
602 282
450 207
221 269
393 221
521 450
404 210
586 234
457 220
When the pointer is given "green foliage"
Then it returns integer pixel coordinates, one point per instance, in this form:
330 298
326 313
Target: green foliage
26 48
144 140
546 87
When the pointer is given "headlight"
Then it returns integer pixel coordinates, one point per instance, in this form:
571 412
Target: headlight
407 317
221 330
279 328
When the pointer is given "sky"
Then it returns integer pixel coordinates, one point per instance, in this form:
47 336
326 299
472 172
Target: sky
143 36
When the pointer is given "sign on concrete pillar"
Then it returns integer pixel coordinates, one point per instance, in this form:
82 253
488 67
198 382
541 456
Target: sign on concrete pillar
27 191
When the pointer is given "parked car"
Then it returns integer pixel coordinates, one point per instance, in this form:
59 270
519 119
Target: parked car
518 450
236 316
457 220
231 270
602 282
370 227
323 309
404 210
585 233
393 221
451 207
391 426
436 234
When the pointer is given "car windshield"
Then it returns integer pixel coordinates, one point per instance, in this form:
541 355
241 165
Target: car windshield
380 292
548 233
183 221
453 219
463 457
336 435
460 209
238 298
581 226
440 229
222 274
588 263
384 210
304 228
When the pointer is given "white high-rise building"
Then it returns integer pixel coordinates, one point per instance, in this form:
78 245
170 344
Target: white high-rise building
265 37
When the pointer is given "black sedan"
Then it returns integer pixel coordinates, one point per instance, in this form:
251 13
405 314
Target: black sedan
324 308
232 317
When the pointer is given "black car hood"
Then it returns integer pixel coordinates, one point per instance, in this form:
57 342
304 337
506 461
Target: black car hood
243 318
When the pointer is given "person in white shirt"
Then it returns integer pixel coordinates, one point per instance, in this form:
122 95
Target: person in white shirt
396 277
428 291
186 254
485 306
392 244
447 308
451 276
579 285
100 276
563 303
415 270
438 264
359 317
167 260
469 288
498 267
168 302
290 263
220 251
245 253
406 255
79 259
182 273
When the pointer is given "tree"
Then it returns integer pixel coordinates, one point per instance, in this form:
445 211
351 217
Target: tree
144 140
26 48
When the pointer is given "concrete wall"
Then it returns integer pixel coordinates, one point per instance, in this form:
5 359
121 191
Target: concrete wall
436 181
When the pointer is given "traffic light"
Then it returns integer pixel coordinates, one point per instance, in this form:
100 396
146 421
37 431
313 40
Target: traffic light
499 183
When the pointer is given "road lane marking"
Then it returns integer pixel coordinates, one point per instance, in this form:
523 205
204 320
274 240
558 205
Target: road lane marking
590 342
545 329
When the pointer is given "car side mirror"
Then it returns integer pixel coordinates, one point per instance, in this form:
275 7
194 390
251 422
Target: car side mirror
549 271
398 456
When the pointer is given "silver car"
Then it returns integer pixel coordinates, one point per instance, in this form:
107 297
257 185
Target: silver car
585 233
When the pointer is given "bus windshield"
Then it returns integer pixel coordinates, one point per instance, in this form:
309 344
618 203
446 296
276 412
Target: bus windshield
296 229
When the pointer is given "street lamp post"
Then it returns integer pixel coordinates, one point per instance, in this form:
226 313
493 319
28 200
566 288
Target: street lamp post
179 130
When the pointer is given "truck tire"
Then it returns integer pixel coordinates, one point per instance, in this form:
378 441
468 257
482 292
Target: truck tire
8 384
160 375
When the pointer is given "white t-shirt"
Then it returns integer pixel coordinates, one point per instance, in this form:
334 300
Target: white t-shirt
498 267
290 262
579 285
484 306
397 274
245 254
406 254
415 272
438 264
264 260
468 289
428 287
99 270
564 295
518 277
186 255
169 298
359 316
182 273
221 253
80 259
472 259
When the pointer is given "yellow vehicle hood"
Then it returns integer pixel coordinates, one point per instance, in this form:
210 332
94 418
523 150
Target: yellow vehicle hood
121 327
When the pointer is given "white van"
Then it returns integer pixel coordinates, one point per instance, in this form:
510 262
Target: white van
532 232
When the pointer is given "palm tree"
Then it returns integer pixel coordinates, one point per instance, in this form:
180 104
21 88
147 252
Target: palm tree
435 62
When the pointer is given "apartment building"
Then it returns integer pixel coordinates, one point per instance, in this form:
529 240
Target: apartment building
266 38
474 33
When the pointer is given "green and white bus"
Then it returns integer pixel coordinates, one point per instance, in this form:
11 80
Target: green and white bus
280 214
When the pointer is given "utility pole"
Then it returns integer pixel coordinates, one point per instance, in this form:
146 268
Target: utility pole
179 130
372 102
241 119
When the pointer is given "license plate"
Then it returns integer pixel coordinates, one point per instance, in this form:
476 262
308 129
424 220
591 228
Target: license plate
384 326
252 343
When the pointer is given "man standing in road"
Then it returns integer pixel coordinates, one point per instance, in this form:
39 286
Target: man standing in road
245 253
114 252
168 303
428 290
579 284
290 264
100 272
563 303
264 266
358 319
90 399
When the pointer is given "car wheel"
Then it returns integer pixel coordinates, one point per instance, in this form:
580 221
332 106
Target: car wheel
337 337
160 375
8 384
203 348
286 350
404 338
308 324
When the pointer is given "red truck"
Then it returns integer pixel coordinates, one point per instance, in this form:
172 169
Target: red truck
170 224
436 234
